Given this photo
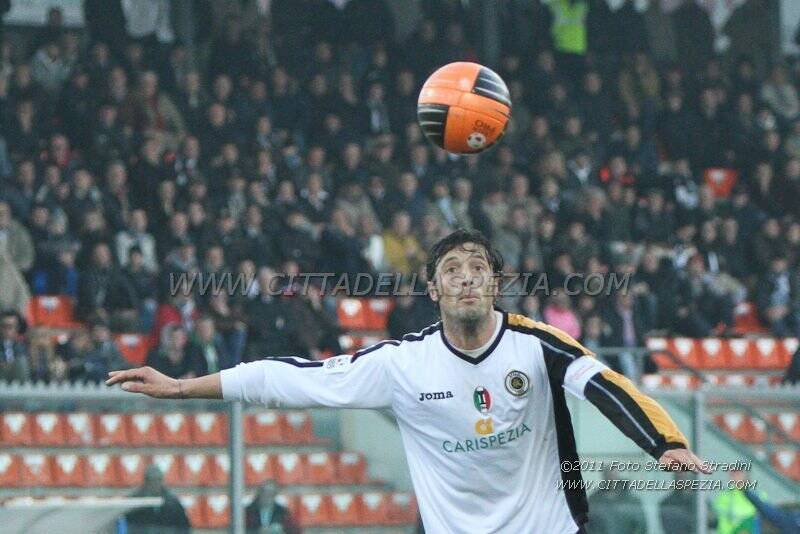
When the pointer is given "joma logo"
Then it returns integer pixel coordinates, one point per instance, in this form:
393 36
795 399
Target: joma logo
437 395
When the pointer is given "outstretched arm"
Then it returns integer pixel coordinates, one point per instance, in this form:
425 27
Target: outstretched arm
150 382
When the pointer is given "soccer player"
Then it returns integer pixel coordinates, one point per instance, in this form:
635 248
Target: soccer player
479 398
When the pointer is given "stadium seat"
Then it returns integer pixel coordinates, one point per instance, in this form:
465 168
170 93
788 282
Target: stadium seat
787 462
790 345
79 429
16 429
131 469
196 470
68 470
112 429
9 470
344 509
402 509
220 469
297 427
208 428
290 502
741 353
173 429
746 320
258 467
35 470
714 353
788 422
685 349
683 381
377 313
193 505
54 311
321 468
263 428
290 468
740 426
48 429
171 466
351 468
133 347
102 470
769 353
315 510
352 314
142 429
374 510
217 511
720 181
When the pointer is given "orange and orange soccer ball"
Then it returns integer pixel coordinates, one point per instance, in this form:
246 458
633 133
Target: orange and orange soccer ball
464 108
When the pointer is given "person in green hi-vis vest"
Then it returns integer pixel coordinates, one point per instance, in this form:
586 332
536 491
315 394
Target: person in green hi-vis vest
735 513
569 25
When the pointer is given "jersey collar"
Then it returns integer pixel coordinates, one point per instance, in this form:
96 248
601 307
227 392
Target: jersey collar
478 359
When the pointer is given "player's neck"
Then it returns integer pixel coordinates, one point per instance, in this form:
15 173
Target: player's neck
467 336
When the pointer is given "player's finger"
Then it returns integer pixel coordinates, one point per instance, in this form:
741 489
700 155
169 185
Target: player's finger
135 387
701 466
122 376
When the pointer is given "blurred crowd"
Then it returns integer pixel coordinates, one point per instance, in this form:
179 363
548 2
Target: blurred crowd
285 140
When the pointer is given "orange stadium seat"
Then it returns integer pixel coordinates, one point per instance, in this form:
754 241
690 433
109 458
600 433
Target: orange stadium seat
171 466
297 427
79 429
258 467
787 462
746 320
714 353
351 468
352 314
290 468
790 345
112 429
769 353
193 505
720 180
402 509
741 353
738 425
315 510
196 470
220 469
131 469
173 429
263 428
142 429
9 470
683 381
69 470
290 502
685 349
35 470
17 429
377 313
48 429
217 511
374 509
789 422
345 509
133 347
55 311
102 470
321 468
208 428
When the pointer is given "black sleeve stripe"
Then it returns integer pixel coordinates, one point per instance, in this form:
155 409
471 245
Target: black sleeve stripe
297 362
625 404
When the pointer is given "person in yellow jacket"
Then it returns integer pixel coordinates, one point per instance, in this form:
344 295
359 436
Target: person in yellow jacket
403 252
735 513
569 25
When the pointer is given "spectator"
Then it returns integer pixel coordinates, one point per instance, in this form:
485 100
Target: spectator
170 517
230 323
104 290
413 311
180 309
627 325
15 240
136 235
404 254
266 514
45 365
15 363
559 313
175 356
211 346
776 298
103 356
14 291
271 331
780 94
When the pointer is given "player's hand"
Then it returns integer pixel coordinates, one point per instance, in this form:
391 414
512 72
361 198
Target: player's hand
683 460
148 381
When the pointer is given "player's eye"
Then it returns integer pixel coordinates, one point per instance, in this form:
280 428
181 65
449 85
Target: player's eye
450 270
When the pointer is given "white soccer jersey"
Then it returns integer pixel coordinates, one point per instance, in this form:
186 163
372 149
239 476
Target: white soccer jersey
484 436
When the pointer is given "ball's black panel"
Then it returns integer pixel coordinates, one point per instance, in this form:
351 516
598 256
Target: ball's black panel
432 119
490 85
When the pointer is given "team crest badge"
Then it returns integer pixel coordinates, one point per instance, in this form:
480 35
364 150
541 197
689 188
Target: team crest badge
482 399
517 383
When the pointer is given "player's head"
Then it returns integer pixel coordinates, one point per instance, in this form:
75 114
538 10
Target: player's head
462 273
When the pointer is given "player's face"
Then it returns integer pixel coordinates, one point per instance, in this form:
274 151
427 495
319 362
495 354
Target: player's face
464 286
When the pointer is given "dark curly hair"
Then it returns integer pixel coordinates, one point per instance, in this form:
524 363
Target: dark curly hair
457 239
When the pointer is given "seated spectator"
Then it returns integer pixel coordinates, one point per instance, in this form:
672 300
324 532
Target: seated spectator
45 364
404 254
411 313
104 290
75 351
15 240
627 325
780 94
211 346
559 313
264 514
776 298
14 291
136 235
14 364
103 356
229 321
271 331
175 356
180 309
702 306
170 517
144 285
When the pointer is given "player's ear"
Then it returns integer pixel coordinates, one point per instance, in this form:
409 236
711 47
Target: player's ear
433 291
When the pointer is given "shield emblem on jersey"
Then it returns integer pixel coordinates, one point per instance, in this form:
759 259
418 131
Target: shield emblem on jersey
517 383
482 399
